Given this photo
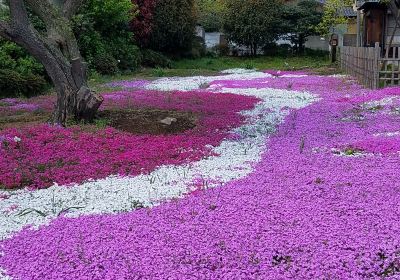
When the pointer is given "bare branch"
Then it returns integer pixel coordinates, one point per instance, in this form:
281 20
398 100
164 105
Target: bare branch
71 7
44 9
19 14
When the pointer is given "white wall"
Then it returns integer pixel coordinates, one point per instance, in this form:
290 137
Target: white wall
212 39
317 43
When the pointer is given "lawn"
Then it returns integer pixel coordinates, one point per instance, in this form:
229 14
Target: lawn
212 66
244 174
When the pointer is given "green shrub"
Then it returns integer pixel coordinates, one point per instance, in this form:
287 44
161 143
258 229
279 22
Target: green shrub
124 51
105 64
173 26
198 48
155 59
222 49
20 73
102 30
14 84
159 72
272 49
16 58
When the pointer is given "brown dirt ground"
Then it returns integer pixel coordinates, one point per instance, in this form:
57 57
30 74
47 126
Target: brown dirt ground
148 121
136 121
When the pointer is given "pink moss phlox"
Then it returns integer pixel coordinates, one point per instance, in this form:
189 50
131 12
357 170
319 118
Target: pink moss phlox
48 154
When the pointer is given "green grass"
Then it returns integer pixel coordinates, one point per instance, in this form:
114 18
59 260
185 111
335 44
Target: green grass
212 66
263 62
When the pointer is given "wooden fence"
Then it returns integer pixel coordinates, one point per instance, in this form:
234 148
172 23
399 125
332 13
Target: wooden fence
389 73
370 67
362 63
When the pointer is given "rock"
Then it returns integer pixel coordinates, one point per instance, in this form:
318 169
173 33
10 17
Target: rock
168 120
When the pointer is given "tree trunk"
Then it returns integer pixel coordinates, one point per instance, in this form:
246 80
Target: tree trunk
74 99
59 54
301 44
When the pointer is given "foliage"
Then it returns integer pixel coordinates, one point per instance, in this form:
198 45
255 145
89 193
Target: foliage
198 48
20 73
332 15
301 21
13 83
102 29
155 59
174 26
204 65
252 23
210 14
142 24
105 64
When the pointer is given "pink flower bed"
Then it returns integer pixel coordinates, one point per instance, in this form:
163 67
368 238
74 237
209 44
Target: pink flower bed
379 145
12 105
301 215
47 154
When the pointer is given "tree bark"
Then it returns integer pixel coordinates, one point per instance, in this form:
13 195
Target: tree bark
58 52
301 44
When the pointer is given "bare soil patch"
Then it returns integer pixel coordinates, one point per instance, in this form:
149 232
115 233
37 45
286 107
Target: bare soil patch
149 121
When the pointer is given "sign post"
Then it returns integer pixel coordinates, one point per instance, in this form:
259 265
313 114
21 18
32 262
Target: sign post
334 42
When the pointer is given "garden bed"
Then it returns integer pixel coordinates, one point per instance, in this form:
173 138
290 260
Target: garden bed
304 185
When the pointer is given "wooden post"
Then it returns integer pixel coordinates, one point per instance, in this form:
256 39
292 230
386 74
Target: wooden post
334 54
358 29
376 70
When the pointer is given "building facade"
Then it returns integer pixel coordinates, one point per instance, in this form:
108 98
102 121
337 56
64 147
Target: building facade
378 23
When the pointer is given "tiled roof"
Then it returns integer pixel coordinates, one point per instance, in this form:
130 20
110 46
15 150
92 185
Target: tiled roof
348 12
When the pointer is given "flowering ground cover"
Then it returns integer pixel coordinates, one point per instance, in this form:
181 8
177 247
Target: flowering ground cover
319 202
45 155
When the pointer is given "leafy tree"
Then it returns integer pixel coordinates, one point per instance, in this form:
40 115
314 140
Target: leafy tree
20 73
104 36
301 20
142 25
253 23
173 26
332 15
210 14
57 49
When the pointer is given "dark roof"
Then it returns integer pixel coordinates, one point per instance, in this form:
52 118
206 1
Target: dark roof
348 12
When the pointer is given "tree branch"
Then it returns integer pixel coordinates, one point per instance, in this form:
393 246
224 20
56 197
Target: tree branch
44 9
71 7
19 14
5 30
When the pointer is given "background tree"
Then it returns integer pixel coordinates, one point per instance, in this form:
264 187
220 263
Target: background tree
105 40
300 21
143 24
210 14
332 15
253 23
57 49
173 26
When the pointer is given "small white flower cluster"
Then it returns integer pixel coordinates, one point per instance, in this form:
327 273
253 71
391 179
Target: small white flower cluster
387 134
196 82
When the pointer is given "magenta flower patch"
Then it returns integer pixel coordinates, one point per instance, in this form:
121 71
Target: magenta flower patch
45 155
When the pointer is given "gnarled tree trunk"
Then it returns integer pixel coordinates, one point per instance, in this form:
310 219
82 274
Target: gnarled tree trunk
58 51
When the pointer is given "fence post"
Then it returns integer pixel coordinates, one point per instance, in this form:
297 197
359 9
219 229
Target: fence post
377 54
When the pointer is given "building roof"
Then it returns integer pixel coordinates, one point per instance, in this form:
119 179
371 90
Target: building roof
348 12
